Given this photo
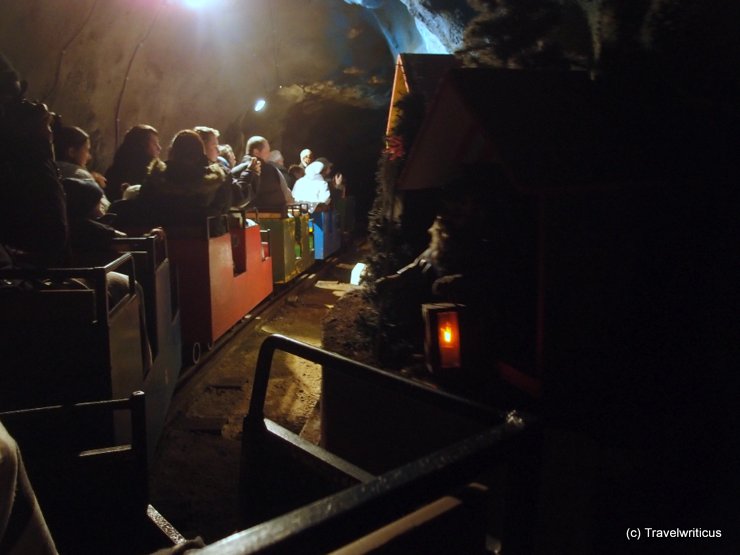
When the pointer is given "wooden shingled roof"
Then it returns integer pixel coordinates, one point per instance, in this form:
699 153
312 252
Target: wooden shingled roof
418 74
544 127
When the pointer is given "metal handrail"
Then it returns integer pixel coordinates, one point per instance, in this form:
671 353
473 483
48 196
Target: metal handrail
254 418
332 521
154 247
96 276
344 516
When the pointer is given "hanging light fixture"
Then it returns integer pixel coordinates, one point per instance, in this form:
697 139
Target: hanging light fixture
260 104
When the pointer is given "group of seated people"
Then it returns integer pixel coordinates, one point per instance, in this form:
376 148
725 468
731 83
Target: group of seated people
199 175
52 204
56 212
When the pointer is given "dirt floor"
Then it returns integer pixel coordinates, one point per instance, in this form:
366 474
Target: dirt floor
194 473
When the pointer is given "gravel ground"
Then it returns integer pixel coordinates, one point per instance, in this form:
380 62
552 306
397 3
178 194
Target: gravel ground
194 473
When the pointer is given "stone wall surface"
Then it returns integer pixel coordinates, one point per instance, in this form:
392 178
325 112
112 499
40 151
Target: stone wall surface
106 65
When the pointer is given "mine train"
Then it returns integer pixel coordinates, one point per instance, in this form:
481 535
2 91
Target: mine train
67 339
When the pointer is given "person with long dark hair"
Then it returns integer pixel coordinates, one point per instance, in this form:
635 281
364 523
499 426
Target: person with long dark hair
188 180
131 163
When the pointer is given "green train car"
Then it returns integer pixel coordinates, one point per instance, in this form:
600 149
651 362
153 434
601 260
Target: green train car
291 243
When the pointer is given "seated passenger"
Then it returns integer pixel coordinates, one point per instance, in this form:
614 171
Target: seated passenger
295 172
33 216
270 190
209 136
276 159
306 157
72 151
188 181
33 207
312 188
132 160
226 157
337 185
87 236
90 244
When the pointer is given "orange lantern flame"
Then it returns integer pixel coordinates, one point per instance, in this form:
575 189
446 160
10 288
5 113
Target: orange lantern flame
443 323
449 342
447 334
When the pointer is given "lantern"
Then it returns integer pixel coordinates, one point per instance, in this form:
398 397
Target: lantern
443 337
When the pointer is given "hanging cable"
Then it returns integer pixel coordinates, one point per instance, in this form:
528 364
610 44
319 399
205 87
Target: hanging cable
57 74
139 44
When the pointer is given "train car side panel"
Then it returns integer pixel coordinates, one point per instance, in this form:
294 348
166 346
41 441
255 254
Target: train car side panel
304 243
327 233
258 267
282 247
226 309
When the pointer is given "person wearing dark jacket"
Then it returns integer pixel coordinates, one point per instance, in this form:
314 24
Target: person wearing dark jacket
271 190
91 244
33 218
131 162
87 235
187 183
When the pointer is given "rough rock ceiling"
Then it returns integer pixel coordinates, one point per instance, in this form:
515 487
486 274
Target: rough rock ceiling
420 26
108 64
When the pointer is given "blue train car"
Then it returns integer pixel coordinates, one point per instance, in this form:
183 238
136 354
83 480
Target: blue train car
327 233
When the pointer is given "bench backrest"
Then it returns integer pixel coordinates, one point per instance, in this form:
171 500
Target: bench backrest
85 481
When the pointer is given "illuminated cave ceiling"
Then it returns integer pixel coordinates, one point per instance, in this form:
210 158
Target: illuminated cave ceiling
420 26
324 65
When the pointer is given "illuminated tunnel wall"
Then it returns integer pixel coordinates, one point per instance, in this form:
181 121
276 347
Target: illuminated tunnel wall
325 67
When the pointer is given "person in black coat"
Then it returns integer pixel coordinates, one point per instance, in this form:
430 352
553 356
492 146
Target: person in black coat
33 219
87 235
133 159
269 188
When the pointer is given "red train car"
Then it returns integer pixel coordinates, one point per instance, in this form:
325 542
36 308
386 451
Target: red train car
222 276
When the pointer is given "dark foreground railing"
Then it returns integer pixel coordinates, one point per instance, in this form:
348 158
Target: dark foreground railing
351 502
350 367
